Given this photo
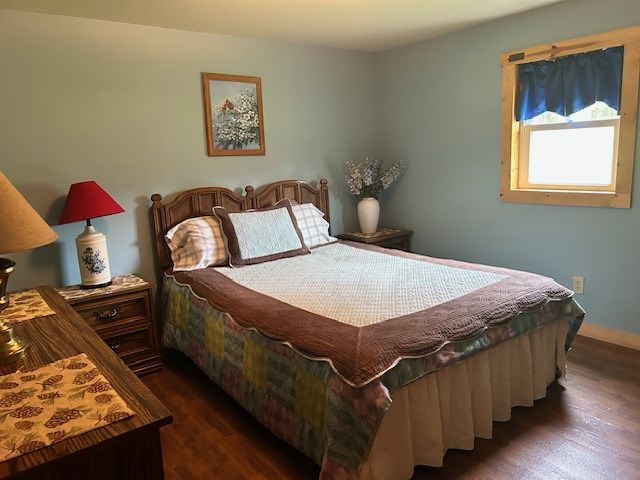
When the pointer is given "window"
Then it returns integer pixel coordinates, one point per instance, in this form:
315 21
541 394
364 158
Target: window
570 151
575 153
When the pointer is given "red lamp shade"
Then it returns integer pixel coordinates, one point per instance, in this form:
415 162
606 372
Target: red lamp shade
87 200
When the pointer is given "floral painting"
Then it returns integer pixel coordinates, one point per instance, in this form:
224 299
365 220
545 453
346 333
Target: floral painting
233 114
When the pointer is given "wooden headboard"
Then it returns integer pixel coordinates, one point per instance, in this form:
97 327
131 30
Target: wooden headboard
198 202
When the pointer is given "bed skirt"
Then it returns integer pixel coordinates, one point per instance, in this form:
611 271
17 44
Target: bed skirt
450 407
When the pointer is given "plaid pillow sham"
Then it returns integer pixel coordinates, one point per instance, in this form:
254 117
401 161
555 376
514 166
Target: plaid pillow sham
314 228
197 243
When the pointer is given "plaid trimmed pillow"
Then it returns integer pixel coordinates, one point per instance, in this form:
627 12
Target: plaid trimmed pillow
197 243
314 228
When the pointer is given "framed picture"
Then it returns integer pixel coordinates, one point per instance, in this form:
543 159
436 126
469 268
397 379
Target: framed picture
233 114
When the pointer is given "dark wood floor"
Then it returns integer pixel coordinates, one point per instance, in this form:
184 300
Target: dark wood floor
588 427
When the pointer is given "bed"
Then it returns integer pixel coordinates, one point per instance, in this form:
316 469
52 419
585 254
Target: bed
368 373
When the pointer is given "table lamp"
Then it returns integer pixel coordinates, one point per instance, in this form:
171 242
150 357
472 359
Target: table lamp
21 228
87 200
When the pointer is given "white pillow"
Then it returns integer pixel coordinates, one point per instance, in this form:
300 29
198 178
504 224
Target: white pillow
197 243
314 228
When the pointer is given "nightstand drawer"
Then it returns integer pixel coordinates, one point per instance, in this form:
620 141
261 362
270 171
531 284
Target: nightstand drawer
397 243
114 312
129 344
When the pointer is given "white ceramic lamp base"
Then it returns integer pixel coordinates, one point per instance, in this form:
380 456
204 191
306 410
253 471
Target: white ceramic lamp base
93 258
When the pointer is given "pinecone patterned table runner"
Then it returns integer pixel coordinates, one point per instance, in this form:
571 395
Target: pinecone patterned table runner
25 306
57 401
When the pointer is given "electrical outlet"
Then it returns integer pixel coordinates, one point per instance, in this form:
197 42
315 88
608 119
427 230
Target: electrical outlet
578 284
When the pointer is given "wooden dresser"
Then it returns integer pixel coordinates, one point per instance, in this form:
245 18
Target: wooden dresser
122 315
128 449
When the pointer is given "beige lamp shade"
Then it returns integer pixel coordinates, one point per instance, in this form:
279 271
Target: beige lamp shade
21 227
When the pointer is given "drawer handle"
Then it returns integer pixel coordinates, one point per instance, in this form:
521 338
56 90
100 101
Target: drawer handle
107 316
114 345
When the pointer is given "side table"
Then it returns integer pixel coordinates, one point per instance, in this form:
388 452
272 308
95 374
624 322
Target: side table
122 315
384 237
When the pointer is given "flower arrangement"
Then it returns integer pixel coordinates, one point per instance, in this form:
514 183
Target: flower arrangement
369 179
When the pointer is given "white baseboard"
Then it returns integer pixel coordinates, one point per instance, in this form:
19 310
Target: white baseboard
616 337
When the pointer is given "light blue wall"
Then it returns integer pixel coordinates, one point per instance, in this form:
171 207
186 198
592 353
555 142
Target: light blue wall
121 104
439 108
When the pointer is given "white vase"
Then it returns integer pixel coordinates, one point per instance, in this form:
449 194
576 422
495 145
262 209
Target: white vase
368 214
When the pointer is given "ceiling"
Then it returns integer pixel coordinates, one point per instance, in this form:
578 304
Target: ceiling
368 25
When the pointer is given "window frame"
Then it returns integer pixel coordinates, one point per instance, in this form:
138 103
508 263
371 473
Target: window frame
511 161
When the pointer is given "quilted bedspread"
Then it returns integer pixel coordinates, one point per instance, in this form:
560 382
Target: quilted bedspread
323 384
484 299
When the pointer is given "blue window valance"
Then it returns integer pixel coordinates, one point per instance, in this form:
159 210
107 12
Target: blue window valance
568 84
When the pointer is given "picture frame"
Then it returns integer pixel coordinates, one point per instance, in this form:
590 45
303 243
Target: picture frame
233 114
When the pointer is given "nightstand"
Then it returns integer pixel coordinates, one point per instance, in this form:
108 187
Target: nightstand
122 315
385 237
